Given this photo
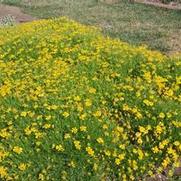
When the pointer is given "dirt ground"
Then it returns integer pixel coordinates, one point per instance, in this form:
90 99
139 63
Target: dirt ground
16 12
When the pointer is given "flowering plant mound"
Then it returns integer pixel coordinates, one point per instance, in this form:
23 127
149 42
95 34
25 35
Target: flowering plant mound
75 105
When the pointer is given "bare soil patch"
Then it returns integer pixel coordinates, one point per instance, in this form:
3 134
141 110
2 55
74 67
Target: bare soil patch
16 12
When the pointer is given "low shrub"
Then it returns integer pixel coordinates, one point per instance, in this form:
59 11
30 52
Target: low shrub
75 105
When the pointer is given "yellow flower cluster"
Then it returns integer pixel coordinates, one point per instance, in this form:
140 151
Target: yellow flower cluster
75 105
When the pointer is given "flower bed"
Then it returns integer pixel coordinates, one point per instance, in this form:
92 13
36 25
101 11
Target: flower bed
75 105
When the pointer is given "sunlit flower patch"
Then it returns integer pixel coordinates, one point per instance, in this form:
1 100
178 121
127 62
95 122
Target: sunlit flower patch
75 105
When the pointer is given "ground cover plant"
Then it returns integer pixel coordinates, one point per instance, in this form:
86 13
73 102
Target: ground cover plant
75 105
135 23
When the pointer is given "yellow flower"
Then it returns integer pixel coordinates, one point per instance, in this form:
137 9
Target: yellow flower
126 107
92 90
17 149
159 129
24 114
148 103
100 140
95 167
48 117
77 98
77 145
54 107
139 115
72 164
58 148
3 172
141 154
150 173
47 126
165 162
142 129
67 136
120 129
79 108
105 126
155 149
176 143
38 135
169 115
161 115
170 150
88 103
121 156
22 166
170 173
83 116
97 114
74 130
117 161
107 153
90 151
147 76
161 145
134 165
121 146
65 114
140 141
3 154
169 93
27 131
41 176
83 128
124 177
